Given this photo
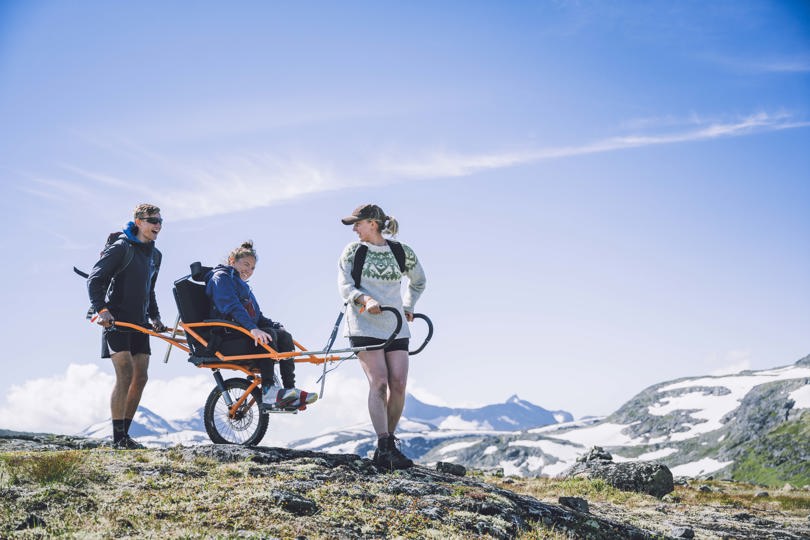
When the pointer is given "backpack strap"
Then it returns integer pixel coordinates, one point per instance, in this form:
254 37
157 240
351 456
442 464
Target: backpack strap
157 256
360 259
399 254
128 254
127 258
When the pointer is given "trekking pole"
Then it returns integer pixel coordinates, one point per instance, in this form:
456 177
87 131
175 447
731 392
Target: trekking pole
331 342
174 333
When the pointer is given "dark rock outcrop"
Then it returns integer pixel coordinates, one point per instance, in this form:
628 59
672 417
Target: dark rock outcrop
642 477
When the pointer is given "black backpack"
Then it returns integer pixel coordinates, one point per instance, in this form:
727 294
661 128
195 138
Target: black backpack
112 238
360 259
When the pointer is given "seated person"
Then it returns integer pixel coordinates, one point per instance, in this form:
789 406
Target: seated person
232 299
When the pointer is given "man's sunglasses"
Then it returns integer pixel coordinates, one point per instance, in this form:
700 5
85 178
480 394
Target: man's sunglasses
152 220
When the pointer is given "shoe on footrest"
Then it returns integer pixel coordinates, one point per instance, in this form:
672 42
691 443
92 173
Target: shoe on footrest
279 397
305 398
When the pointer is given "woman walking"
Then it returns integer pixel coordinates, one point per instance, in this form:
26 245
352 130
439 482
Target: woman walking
370 275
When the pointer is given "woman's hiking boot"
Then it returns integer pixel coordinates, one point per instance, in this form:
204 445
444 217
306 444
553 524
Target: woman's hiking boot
389 457
128 443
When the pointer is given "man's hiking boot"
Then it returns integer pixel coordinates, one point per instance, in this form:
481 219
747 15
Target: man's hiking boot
275 397
128 443
389 457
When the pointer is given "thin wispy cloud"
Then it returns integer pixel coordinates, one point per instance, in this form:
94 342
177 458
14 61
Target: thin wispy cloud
189 188
787 65
444 164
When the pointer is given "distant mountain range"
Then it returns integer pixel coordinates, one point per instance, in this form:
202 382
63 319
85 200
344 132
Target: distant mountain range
153 430
425 426
753 426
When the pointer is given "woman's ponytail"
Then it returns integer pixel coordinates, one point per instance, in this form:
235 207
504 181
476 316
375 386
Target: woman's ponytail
391 226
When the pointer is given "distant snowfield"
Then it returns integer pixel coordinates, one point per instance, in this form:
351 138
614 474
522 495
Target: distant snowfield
599 435
696 468
649 456
455 447
564 452
801 397
456 422
709 409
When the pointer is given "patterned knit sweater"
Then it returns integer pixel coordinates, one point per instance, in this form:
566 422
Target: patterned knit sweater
381 279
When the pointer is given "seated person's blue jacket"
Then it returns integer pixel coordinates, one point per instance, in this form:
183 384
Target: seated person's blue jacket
232 299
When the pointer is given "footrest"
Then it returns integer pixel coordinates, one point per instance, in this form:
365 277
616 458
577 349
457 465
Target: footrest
276 409
199 360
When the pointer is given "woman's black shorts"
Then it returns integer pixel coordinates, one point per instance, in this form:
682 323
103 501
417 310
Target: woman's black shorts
400 344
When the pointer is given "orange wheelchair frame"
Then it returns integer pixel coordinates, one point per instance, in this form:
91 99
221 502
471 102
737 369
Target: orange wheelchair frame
234 413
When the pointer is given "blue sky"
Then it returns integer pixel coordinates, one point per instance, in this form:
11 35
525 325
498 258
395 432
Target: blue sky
604 195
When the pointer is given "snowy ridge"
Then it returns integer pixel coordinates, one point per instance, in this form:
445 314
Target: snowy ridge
696 426
424 427
676 423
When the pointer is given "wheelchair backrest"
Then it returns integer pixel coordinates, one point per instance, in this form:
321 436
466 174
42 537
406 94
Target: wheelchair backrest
192 302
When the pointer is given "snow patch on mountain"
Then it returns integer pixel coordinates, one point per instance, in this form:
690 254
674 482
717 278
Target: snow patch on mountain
708 411
801 397
700 467
696 426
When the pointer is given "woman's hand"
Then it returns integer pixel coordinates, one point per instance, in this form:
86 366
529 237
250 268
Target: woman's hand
372 306
260 336
409 316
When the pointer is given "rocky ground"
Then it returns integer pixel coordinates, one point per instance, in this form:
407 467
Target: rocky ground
62 486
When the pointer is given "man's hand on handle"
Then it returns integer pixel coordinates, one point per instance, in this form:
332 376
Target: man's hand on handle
105 318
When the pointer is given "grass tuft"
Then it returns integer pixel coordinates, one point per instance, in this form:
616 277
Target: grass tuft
45 467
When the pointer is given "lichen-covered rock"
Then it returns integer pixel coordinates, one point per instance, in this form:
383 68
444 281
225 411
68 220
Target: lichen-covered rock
577 503
642 477
451 468
595 453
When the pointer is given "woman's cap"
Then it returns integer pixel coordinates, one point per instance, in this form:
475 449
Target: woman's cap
365 211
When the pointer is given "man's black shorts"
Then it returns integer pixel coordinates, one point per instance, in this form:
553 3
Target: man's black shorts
400 344
114 341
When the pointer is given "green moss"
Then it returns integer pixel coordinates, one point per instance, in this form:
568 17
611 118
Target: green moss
781 456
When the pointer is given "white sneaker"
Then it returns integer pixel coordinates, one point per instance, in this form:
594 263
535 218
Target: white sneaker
279 396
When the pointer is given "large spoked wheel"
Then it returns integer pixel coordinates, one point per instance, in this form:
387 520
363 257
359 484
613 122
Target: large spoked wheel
246 427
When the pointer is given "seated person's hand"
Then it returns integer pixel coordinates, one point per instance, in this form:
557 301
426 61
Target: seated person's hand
158 326
260 336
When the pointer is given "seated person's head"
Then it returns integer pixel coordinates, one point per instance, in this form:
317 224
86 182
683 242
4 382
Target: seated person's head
243 260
